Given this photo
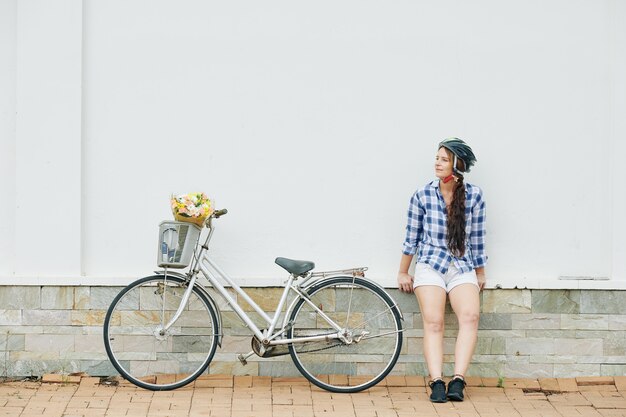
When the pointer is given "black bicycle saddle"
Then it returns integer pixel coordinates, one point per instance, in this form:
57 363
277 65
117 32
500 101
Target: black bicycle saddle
295 267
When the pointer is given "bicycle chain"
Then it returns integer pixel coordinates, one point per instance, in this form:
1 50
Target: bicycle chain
317 350
290 326
254 339
323 348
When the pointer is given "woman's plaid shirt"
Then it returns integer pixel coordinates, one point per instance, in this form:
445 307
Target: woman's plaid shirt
426 229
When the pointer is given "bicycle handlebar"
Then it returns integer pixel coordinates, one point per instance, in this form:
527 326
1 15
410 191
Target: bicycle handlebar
219 213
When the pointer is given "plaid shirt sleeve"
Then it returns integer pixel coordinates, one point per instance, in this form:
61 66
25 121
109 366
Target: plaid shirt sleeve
414 227
478 232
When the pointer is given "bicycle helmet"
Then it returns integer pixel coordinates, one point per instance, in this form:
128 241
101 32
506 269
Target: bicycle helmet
460 150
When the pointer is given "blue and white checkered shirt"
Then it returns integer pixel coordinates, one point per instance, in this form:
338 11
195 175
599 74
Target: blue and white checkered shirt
426 229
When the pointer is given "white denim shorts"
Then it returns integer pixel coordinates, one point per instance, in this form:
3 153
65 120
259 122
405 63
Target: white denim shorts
426 275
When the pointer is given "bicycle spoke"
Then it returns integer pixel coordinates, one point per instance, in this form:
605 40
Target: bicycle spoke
372 318
349 306
381 335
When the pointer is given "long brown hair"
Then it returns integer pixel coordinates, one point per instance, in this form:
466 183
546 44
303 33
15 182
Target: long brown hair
456 212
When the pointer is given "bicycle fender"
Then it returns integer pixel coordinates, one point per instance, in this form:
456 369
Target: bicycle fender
218 313
173 273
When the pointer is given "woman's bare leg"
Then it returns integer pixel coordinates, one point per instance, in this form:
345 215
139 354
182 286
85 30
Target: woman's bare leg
465 302
432 301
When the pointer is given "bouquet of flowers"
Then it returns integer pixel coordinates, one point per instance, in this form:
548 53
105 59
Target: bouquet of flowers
192 208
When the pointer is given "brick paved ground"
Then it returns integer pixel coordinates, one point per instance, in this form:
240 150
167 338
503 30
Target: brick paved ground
227 396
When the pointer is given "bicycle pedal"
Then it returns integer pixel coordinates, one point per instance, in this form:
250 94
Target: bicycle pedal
242 359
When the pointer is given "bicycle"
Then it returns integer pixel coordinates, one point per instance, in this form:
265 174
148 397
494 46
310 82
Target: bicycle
342 330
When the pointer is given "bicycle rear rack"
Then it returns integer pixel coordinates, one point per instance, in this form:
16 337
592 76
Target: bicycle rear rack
355 272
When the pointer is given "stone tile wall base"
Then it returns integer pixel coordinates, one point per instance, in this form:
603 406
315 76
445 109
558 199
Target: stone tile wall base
522 334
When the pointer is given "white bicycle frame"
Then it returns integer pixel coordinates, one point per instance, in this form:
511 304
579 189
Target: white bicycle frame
211 271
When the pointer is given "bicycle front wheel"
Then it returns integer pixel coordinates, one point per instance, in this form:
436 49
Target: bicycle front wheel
139 347
371 327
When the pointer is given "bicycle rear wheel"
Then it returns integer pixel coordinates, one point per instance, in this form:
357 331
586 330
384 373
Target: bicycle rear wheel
371 322
144 354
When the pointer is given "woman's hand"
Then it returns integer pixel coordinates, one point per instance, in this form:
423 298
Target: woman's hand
482 280
405 282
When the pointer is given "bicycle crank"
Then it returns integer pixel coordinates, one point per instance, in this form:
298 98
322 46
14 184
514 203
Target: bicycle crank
264 351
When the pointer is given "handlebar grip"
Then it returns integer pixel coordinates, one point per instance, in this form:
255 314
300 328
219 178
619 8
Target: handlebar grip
220 213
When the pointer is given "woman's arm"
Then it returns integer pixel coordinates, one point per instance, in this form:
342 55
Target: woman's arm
405 281
478 233
414 230
480 275
477 239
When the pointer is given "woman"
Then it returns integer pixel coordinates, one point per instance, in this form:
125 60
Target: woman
446 229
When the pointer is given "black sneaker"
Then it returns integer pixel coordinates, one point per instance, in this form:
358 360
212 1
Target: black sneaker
455 389
439 391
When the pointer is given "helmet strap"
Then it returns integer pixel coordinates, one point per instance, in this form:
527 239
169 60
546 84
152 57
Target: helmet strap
454 168
448 178
454 171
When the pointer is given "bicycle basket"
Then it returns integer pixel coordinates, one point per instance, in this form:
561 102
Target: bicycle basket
177 241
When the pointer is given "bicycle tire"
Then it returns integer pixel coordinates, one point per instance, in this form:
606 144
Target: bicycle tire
362 306
152 360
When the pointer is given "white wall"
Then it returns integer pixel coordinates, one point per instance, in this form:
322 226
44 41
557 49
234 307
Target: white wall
314 123
48 138
8 57
618 133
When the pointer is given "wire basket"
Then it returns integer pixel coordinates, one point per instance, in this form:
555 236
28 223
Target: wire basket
177 241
